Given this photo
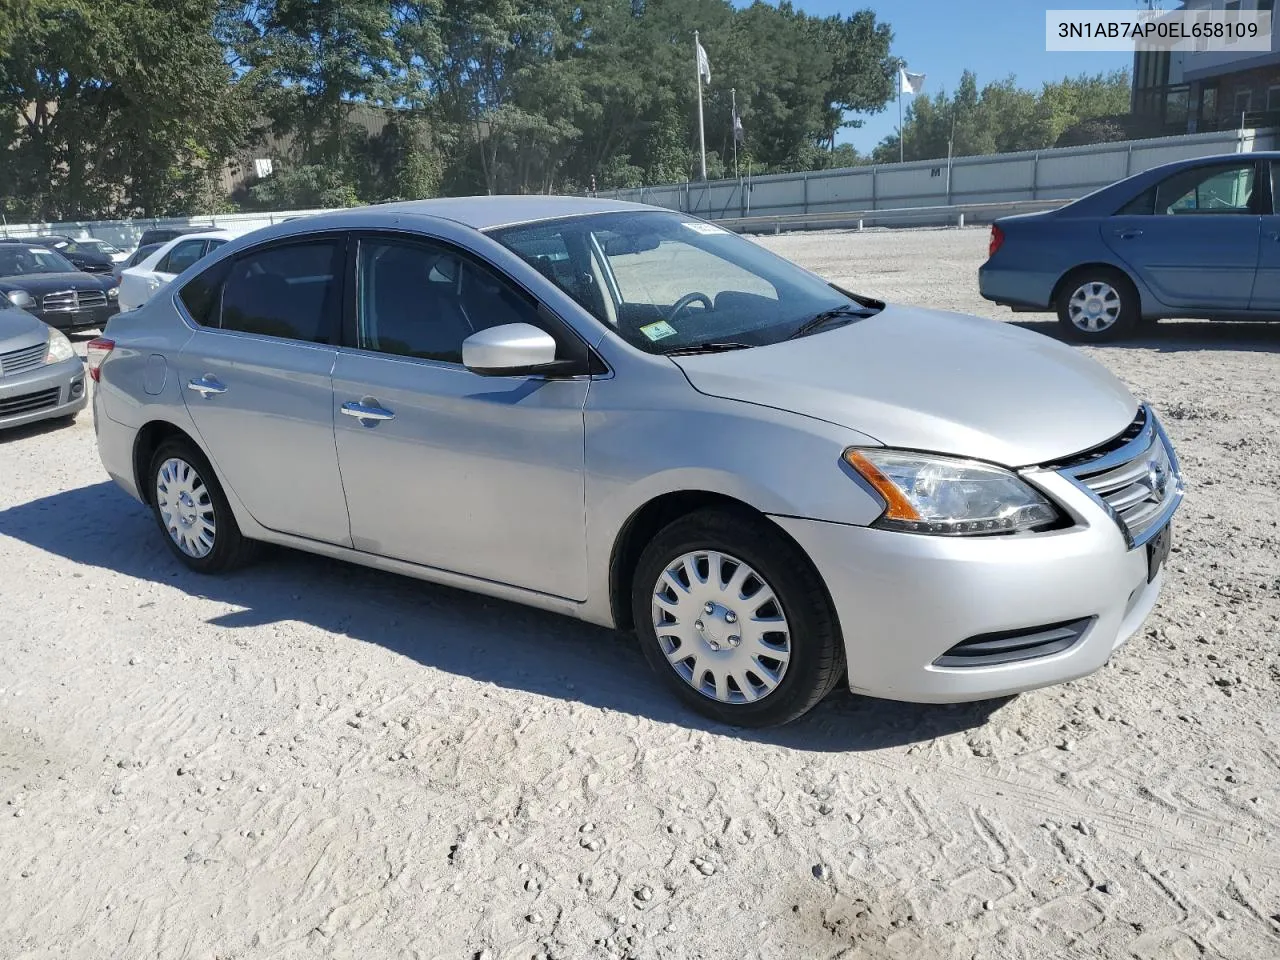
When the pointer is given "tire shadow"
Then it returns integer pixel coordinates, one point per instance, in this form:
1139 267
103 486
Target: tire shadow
490 641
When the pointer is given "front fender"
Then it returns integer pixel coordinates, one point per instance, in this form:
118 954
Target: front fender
779 463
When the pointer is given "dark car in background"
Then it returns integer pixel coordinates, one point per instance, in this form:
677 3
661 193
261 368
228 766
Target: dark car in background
44 283
165 234
91 256
1198 238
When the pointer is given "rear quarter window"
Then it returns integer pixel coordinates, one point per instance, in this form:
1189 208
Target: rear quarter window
199 296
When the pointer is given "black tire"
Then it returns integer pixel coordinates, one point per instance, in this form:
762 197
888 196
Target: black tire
1126 321
816 663
230 549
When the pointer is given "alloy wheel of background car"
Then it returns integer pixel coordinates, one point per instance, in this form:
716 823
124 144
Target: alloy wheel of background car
735 620
186 509
191 509
721 627
1098 304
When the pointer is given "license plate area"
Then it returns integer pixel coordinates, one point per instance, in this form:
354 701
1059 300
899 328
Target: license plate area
1158 551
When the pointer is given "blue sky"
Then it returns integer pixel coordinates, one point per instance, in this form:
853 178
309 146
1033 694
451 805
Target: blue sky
942 38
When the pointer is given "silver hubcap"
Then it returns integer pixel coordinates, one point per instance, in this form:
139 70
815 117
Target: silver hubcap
185 507
1094 307
721 627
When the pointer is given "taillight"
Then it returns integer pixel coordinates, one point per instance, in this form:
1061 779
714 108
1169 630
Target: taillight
997 238
97 351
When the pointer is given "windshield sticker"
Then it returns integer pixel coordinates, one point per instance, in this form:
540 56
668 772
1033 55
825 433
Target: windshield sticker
659 330
37 250
706 229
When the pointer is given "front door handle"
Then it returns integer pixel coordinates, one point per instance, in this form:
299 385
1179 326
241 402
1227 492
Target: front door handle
1129 233
367 409
1274 234
207 386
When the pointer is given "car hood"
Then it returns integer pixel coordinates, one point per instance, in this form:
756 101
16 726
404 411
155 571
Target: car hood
19 329
928 380
42 283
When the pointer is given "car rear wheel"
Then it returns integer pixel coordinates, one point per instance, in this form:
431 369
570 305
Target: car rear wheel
733 617
1098 304
192 511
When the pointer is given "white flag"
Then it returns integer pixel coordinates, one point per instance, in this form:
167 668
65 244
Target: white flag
704 65
910 82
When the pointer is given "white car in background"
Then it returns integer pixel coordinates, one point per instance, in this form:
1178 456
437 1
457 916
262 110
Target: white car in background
140 282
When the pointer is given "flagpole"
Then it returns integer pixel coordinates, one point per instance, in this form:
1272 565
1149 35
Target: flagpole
702 137
902 134
733 96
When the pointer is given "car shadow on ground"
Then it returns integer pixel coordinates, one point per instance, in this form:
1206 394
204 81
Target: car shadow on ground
1176 336
490 641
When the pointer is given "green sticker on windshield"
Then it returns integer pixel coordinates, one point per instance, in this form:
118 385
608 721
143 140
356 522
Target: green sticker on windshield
659 330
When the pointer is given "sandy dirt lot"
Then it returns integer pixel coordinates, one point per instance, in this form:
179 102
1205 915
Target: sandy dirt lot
307 759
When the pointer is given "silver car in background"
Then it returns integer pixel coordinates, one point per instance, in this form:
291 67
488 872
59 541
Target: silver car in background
634 417
41 378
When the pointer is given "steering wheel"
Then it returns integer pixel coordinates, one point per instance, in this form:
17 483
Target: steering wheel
684 302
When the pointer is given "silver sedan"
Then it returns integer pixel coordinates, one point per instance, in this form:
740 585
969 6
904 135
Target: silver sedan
41 378
634 417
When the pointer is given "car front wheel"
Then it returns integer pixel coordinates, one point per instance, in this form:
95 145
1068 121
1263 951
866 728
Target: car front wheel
736 621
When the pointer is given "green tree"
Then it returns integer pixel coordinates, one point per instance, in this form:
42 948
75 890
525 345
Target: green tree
1003 117
105 97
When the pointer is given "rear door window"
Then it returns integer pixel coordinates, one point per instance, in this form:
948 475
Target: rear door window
181 256
292 291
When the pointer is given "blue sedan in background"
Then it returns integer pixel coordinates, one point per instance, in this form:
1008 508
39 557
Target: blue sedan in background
1197 238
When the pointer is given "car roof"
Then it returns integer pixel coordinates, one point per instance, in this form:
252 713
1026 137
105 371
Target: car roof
484 213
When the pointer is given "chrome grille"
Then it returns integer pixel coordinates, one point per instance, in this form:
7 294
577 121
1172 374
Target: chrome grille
68 300
1135 477
16 361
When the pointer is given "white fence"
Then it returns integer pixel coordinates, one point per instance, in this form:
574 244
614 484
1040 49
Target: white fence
125 233
1057 174
1063 173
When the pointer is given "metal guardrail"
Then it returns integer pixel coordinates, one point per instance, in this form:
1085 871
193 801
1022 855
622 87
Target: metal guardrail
956 214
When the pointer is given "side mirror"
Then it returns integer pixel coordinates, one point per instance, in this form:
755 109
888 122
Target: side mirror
513 350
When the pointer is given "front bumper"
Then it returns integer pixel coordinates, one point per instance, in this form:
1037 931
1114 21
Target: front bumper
904 600
79 319
57 390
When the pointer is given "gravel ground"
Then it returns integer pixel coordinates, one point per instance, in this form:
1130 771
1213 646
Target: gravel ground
312 760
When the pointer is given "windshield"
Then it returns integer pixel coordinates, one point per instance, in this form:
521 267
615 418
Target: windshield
667 282
17 260
89 246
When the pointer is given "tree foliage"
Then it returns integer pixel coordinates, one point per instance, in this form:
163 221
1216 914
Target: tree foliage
137 107
1002 117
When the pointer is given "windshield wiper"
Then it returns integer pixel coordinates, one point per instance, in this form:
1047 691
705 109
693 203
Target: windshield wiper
844 311
711 346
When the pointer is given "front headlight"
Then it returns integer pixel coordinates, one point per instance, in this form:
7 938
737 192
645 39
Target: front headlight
942 495
59 347
20 299
113 293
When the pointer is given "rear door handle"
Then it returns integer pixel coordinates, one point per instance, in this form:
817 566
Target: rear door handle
1274 234
367 409
1129 233
207 386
